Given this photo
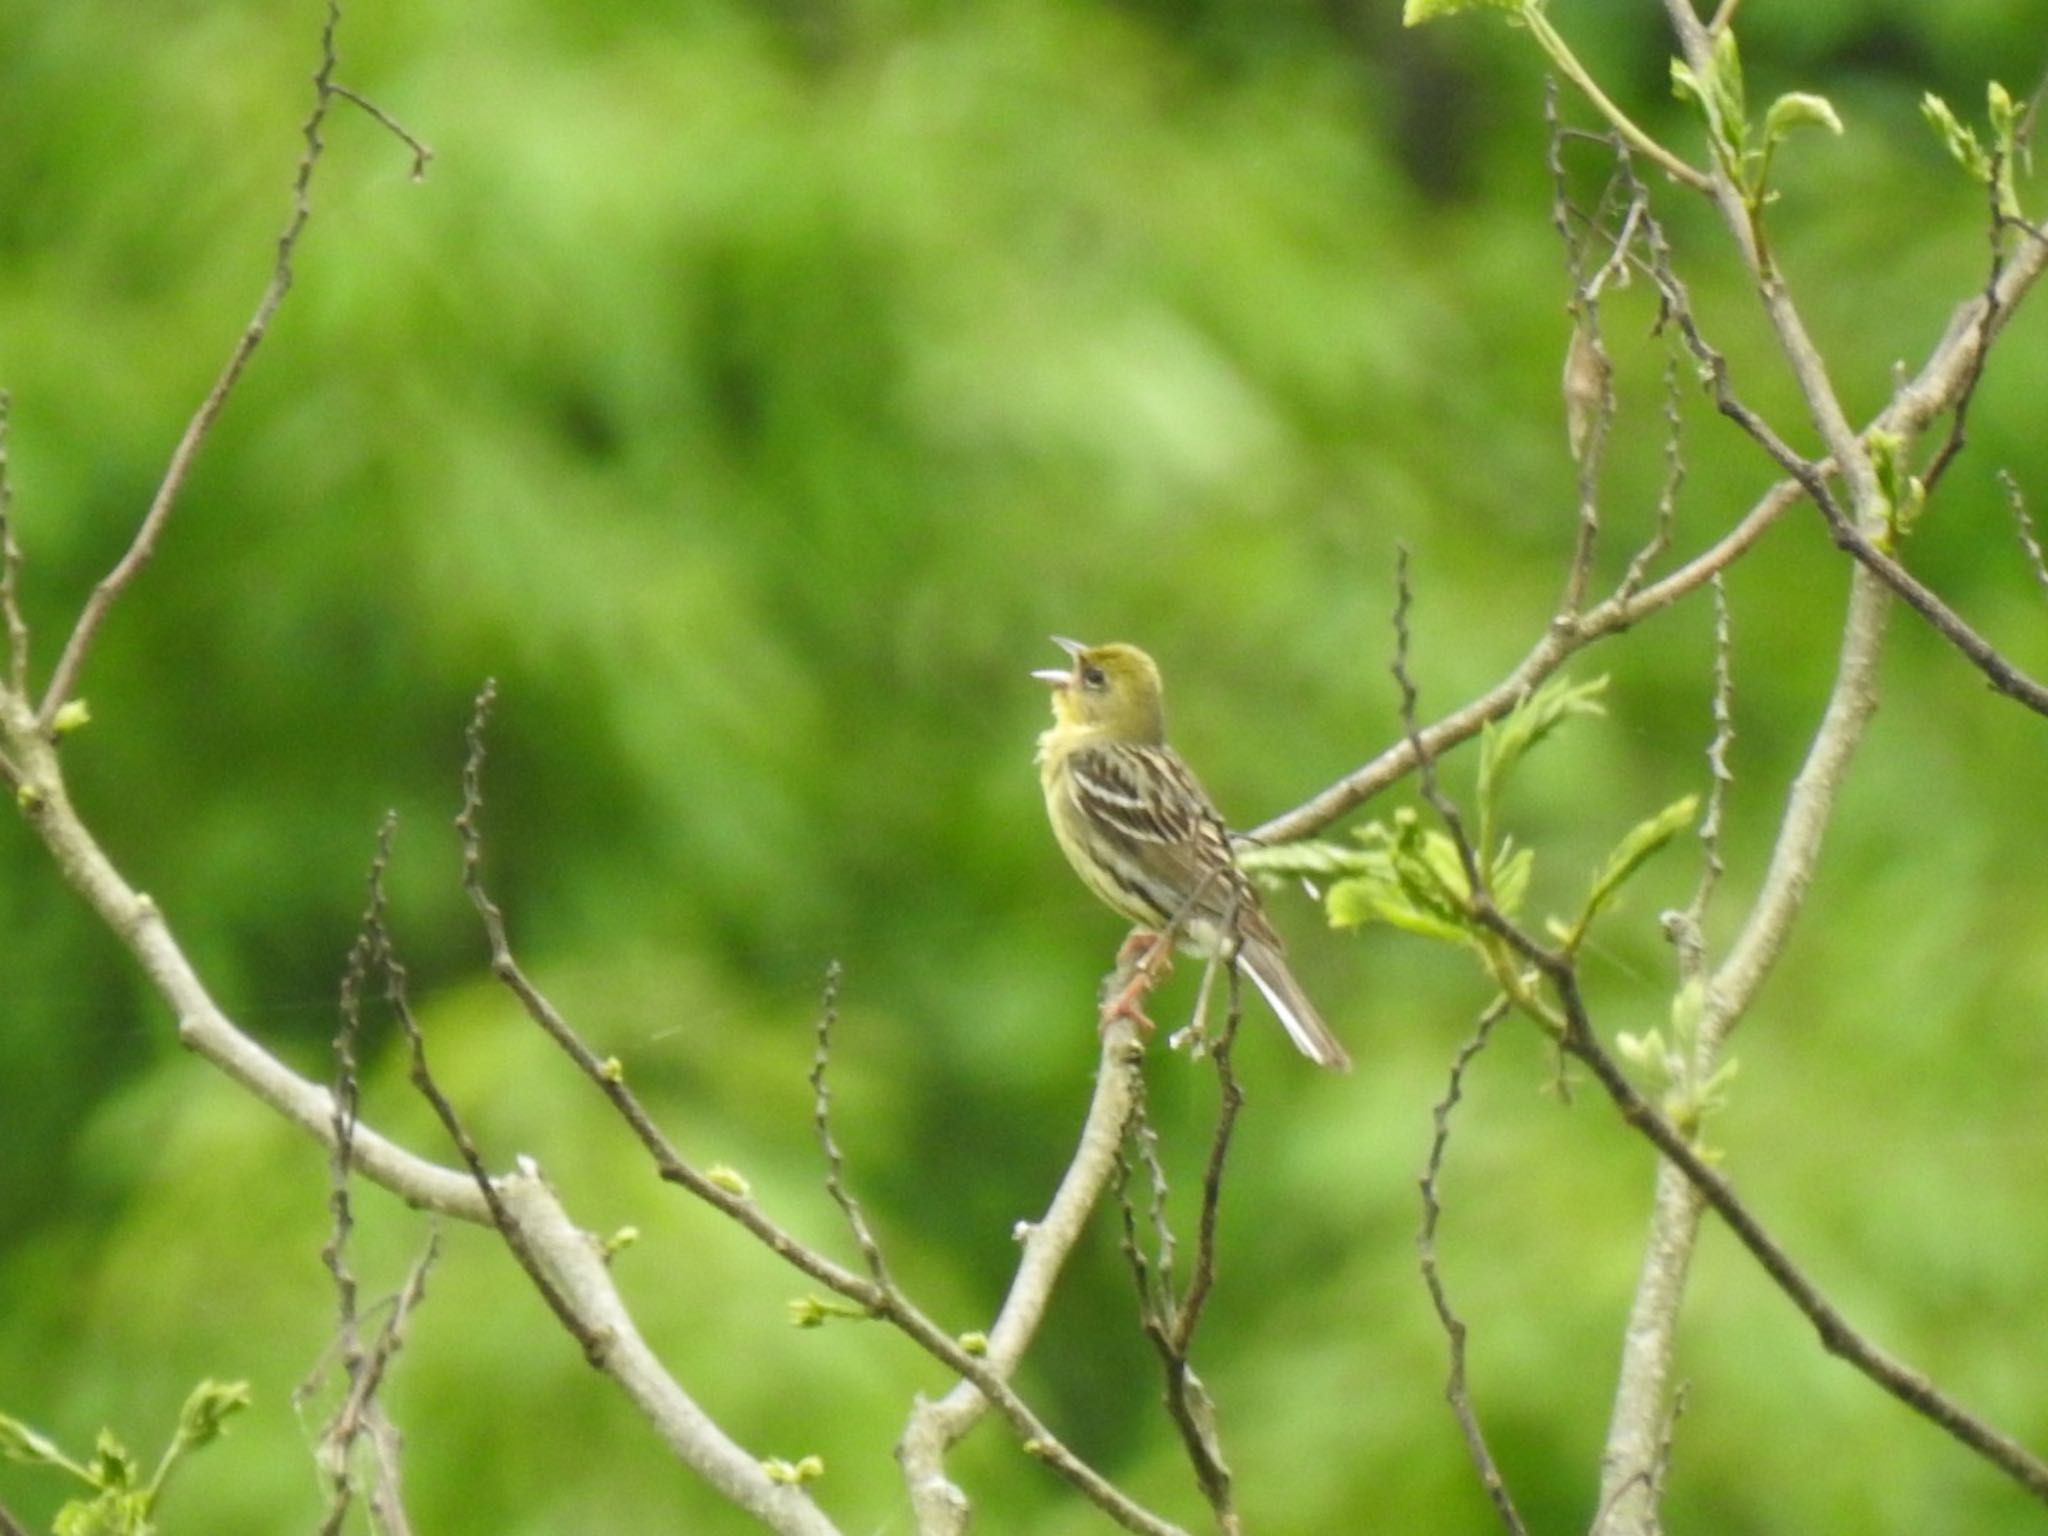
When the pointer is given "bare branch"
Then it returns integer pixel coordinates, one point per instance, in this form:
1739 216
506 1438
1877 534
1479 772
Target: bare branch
1455 1390
1559 643
1229 1102
150 530
1151 1273
984 1378
568 1271
339 1435
821 1117
134 919
1650 1477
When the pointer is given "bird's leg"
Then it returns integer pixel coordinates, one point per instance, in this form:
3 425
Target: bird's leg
1143 959
1195 1033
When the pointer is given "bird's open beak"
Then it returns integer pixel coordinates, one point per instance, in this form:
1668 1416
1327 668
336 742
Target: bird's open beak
1059 677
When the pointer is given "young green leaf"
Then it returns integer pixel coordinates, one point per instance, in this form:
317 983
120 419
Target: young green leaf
113 1464
1415 12
1505 742
206 1411
1508 879
20 1443
1642 840
1800 109
2002 110
1730 101
117 1512
1356 903
1302 859
1962 140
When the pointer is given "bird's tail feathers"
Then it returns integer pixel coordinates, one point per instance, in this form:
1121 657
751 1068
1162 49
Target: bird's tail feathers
1268 970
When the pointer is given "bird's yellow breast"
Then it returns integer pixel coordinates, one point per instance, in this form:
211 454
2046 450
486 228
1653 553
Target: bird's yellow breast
1056 749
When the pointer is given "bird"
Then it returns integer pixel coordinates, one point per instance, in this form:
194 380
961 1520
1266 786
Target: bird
1144 836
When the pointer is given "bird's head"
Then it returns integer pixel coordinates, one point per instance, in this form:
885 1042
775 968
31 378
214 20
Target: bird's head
1113 690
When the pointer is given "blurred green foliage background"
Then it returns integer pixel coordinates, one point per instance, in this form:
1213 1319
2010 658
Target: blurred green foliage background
750 388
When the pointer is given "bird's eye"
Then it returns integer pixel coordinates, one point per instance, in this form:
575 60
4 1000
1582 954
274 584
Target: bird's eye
1092 677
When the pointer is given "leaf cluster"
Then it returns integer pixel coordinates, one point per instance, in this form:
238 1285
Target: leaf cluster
1745 150
1413 877
1993 166
120 1502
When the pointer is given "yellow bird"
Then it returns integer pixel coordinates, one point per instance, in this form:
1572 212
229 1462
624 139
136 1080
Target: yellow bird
1142 835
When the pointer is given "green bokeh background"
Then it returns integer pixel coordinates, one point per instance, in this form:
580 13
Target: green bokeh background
750 389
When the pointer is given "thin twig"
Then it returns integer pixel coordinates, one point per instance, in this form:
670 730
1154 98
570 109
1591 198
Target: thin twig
1151 1271
1849 530
1983 328
821 1118
1172 1328
336 1441
10 563
1674 422
421 152
1135 1255
1432 791
359 1414
2002 674
2023 524
384 957
1229 1103
150 530
1718 774
1456 1393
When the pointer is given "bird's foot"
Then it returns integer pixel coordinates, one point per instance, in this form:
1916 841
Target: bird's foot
1126 1005
1143 959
